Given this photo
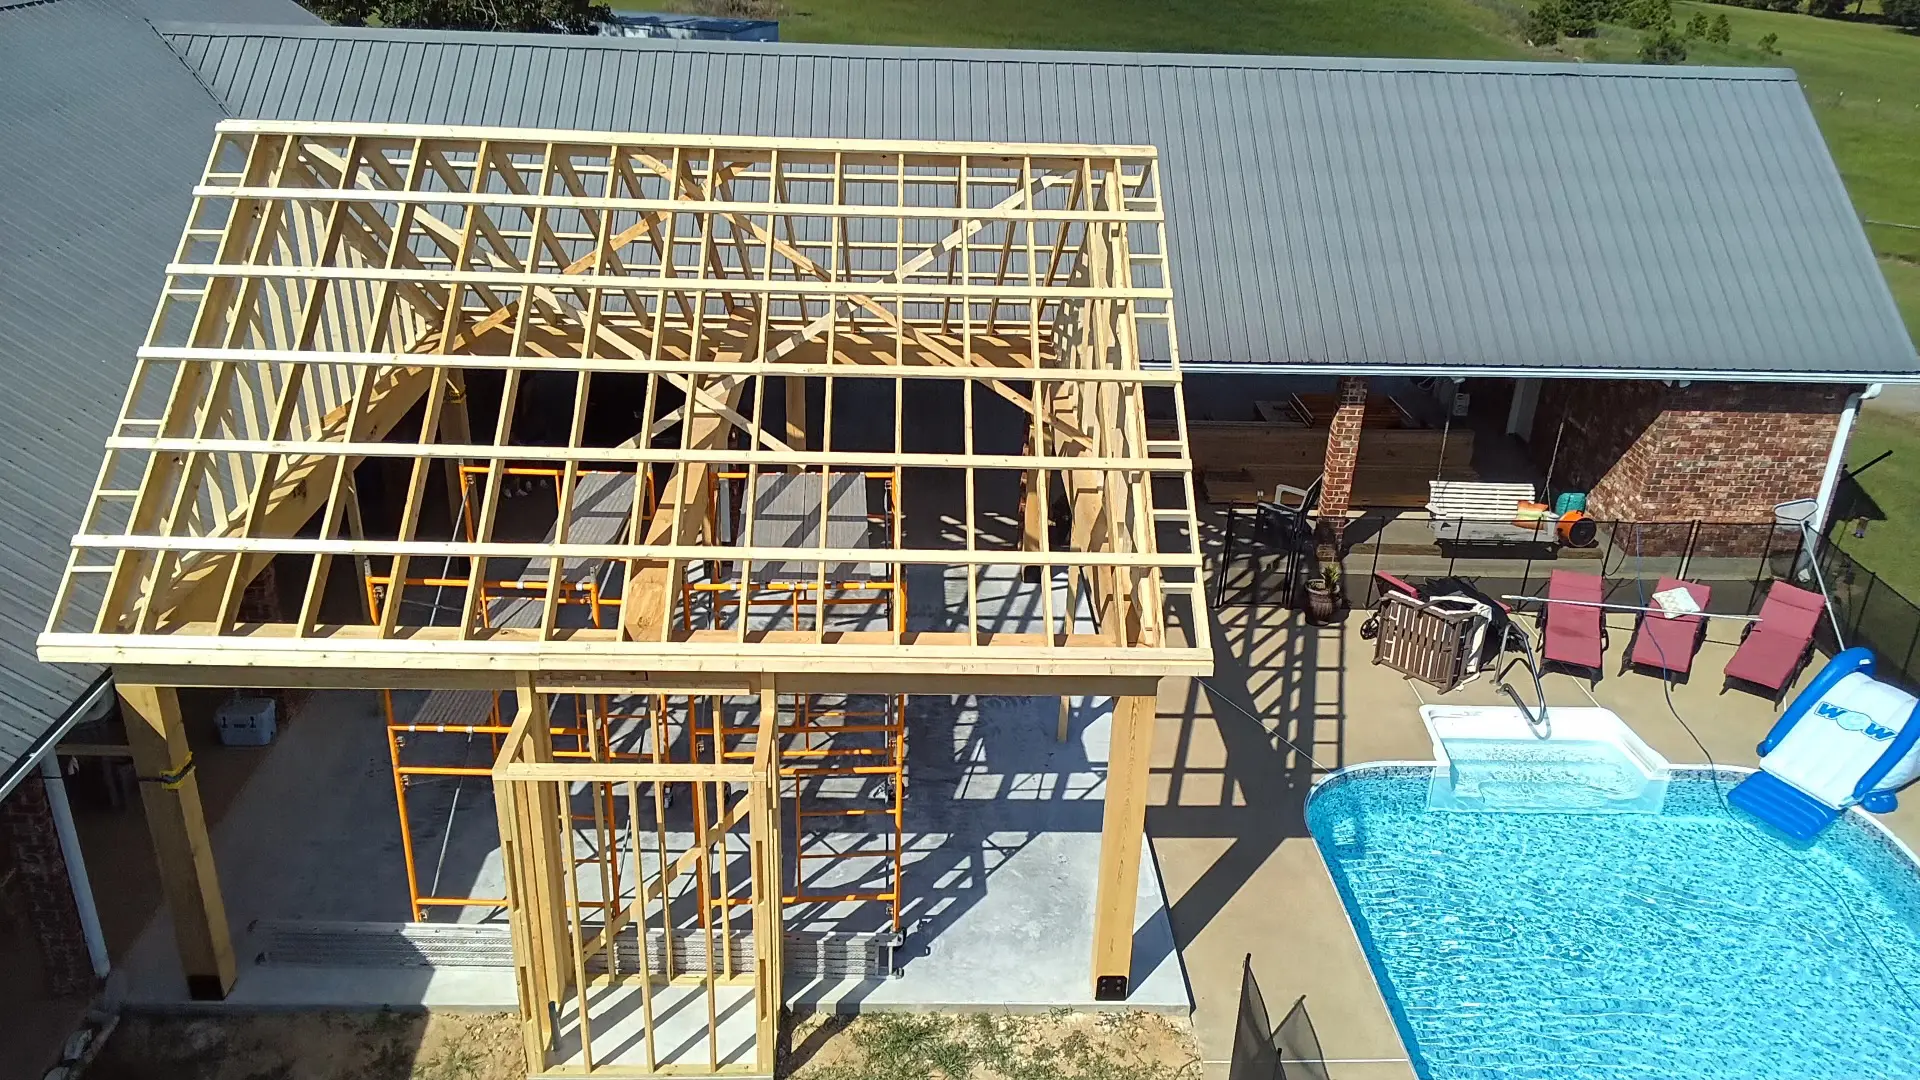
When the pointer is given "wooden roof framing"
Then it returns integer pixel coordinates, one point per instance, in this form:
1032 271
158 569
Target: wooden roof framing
338 286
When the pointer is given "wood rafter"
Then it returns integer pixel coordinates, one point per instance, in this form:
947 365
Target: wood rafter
636 325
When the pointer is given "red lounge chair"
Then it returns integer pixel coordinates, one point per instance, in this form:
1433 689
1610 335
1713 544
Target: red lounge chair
1669 644
1388 583
1573 635
1777 646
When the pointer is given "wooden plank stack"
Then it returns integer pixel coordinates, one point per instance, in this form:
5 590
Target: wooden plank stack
1239 462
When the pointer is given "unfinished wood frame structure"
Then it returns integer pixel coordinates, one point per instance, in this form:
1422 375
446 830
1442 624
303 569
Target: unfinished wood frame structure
726 368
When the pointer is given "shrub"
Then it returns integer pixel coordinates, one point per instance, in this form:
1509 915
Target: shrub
1770 44
1697 26
1541 25
1721 32
1902 12
1662 46
1581 18
1827 9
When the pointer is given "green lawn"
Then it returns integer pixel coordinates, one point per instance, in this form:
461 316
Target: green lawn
1888 549
1326 27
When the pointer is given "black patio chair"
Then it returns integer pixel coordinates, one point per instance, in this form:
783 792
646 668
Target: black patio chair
1281 530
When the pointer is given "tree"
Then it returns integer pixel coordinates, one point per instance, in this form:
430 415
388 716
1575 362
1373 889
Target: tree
1697 26
1721 32
1650 14
1827 9
1770 44
1582 18
528 16
1541 24
1902 12
1662 46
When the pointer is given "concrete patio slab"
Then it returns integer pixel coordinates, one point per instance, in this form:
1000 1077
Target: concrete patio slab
1001 838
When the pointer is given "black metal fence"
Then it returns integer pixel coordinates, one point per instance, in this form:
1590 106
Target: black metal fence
1872 613
1736 562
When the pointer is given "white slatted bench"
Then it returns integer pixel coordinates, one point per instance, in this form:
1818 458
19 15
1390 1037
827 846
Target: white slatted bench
1473 512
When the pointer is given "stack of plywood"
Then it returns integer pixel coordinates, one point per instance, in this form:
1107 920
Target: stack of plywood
1239 462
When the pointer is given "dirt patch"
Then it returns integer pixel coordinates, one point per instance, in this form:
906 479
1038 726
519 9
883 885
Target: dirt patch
314 1046
1063 1045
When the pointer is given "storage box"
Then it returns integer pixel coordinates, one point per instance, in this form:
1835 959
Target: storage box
246 721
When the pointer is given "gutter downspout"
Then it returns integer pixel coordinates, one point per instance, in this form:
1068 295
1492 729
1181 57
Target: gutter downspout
56 788
1836 458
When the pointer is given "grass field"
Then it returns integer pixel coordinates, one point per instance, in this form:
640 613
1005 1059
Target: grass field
1326 27
1888 549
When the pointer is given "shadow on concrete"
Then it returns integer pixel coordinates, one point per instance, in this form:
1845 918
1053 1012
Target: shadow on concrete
1277 699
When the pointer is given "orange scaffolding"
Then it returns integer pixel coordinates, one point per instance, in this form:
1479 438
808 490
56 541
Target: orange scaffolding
592 732
820 742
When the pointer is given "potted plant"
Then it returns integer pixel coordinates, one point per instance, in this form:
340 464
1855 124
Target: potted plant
1323 589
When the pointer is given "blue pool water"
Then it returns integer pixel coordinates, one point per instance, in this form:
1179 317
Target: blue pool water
1684 943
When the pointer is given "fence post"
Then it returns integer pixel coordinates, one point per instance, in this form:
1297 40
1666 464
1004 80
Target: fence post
1373 581
1761 570
1686 553
1859 612
1906 664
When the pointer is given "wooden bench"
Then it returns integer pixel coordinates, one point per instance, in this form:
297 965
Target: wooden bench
1474 512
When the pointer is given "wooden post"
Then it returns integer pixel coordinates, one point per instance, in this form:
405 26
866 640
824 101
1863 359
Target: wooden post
1121 829
170 793
455 427
796 388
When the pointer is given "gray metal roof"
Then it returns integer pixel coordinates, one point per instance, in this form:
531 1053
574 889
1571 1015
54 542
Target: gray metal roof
105 134
1325 214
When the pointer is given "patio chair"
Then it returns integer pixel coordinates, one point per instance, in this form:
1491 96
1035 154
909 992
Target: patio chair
1572 635
1667 645
1776 647
1281 529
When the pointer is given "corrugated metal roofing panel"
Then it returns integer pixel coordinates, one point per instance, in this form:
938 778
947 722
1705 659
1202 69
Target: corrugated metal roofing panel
93 192
1323 212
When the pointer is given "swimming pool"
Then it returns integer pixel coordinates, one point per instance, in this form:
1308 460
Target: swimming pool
1683 943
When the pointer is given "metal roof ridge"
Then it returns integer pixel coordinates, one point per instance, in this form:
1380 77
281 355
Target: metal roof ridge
1356 64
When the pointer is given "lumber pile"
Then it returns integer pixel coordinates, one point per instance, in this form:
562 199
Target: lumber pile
1239 462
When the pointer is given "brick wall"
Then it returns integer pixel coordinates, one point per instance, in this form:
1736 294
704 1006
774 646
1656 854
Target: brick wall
43 889
1343 449
1716 452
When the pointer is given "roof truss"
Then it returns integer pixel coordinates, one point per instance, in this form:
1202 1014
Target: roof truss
679 331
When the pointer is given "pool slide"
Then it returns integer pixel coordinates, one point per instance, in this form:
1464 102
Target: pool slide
1847 739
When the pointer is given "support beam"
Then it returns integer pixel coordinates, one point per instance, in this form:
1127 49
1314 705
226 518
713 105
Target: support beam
796 388
647 605
1122 830
170 794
